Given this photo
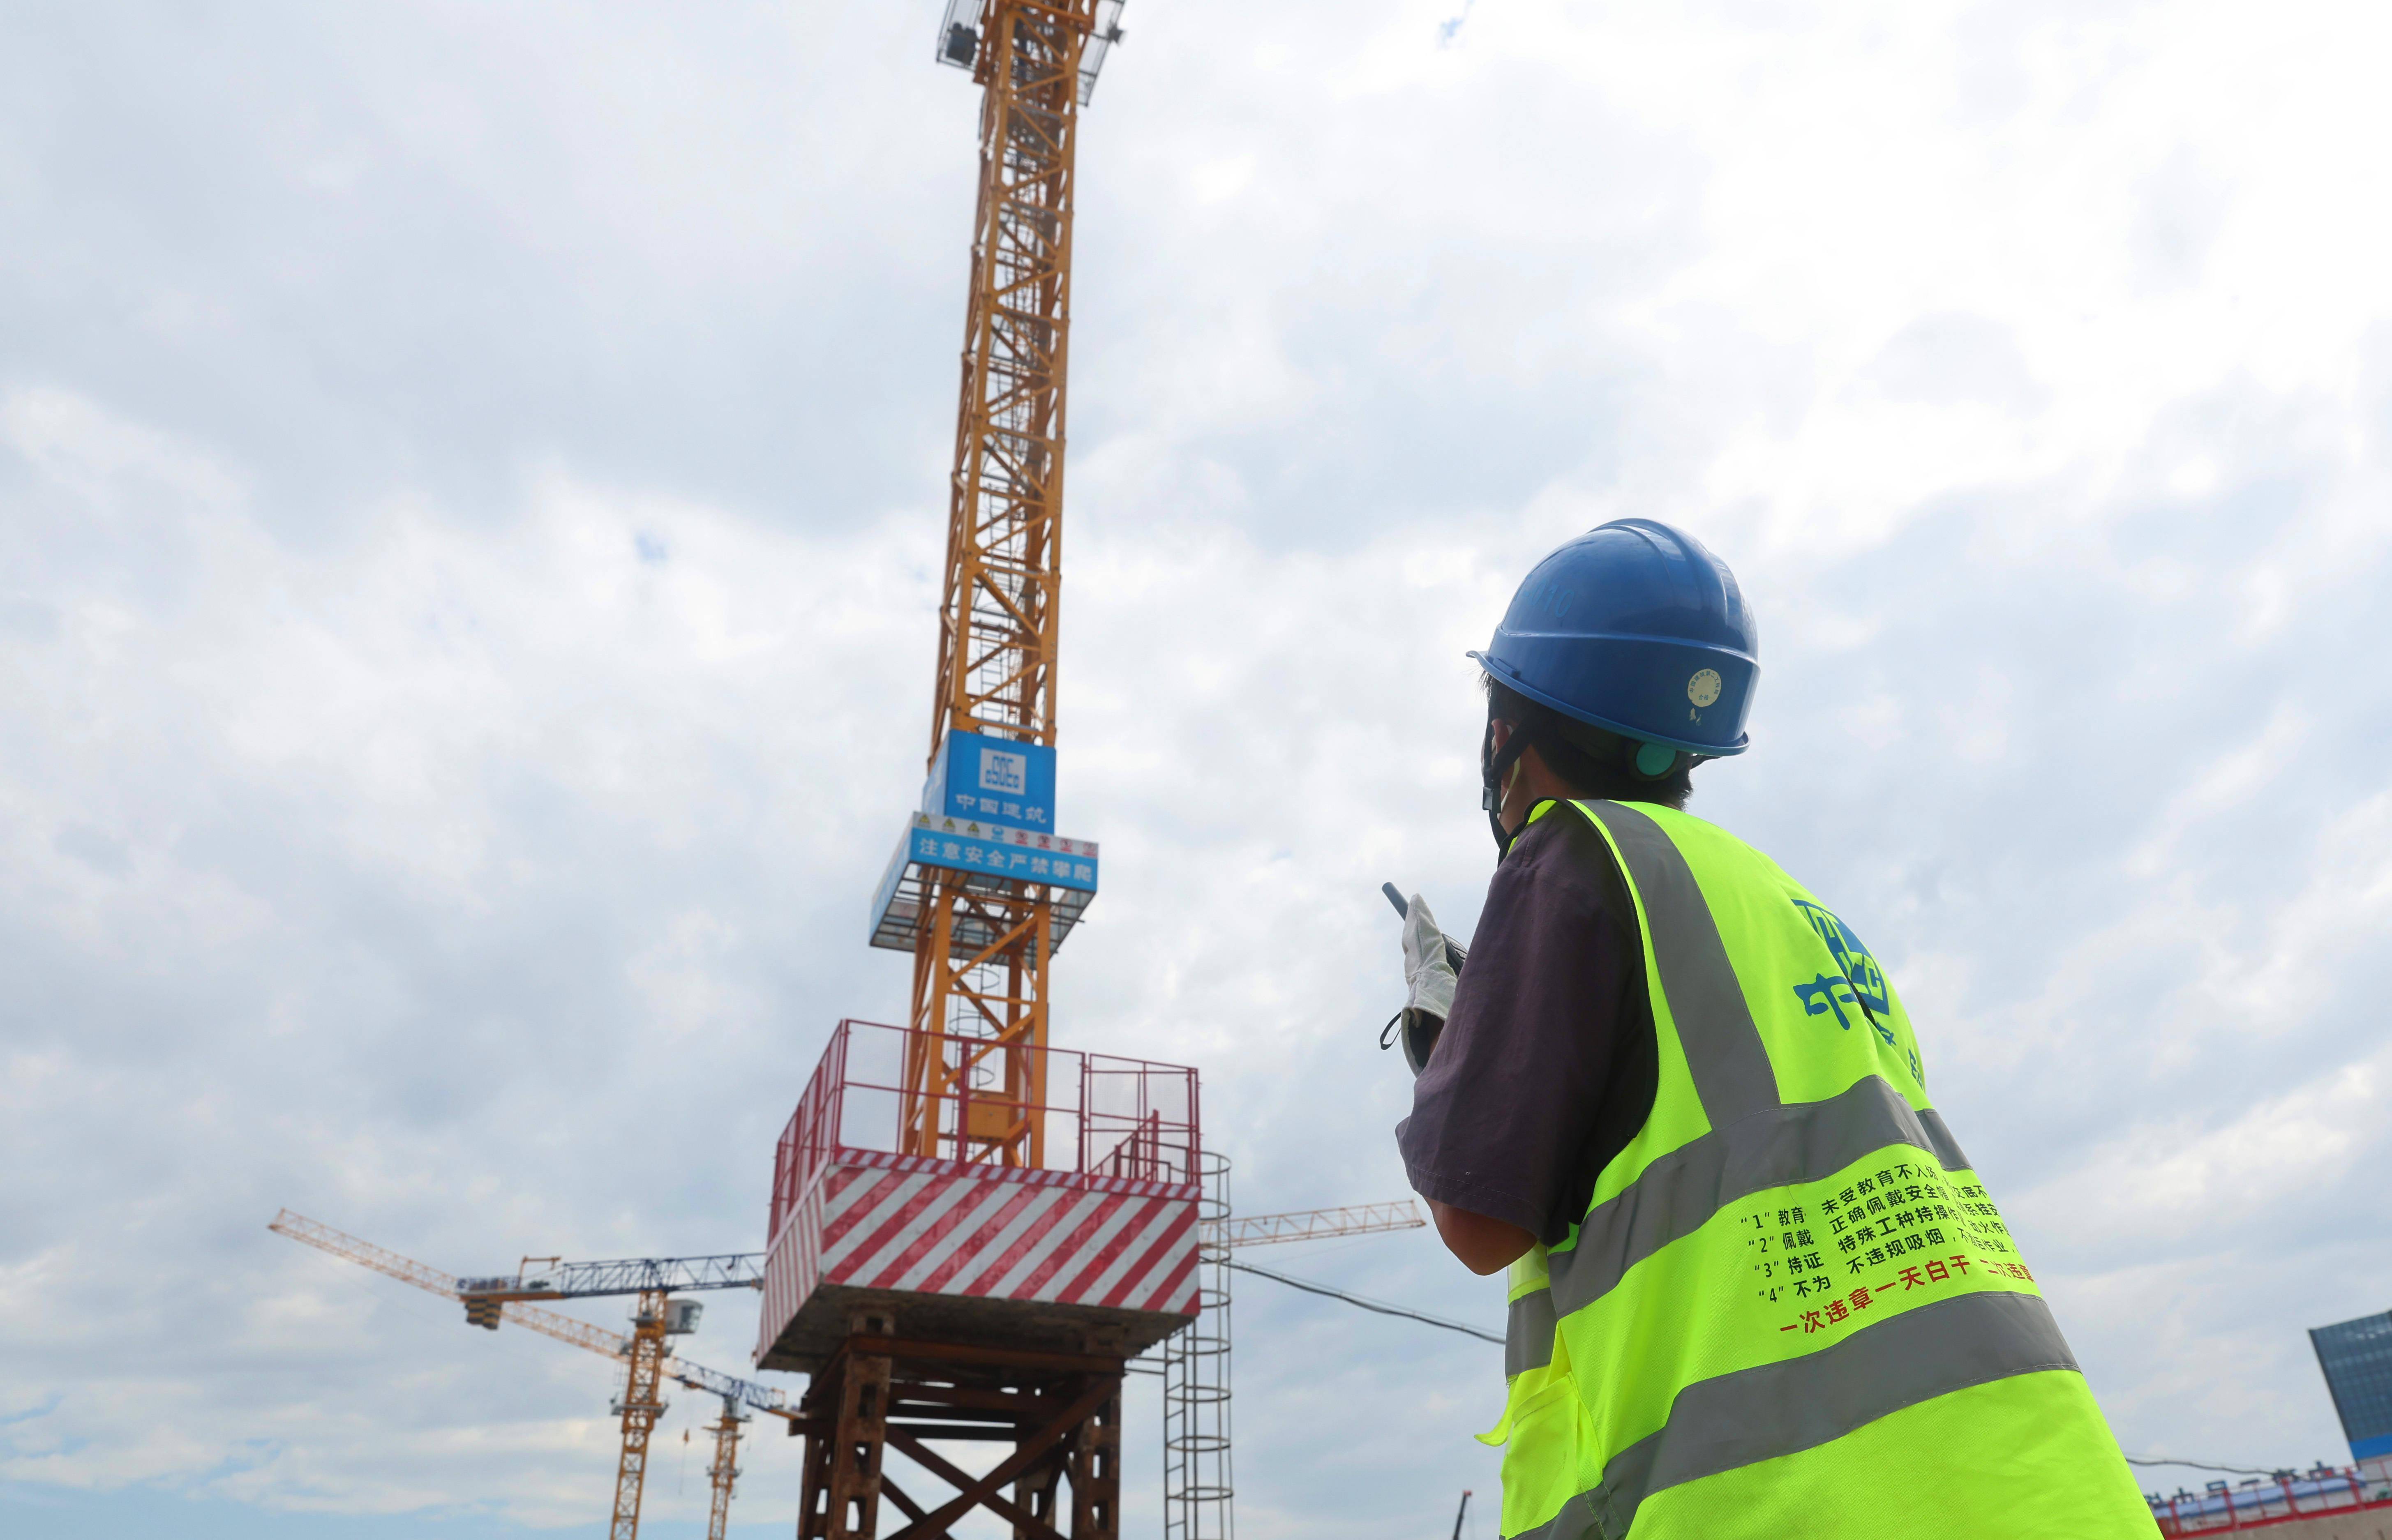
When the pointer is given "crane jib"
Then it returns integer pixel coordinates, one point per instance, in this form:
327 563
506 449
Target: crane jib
582 1280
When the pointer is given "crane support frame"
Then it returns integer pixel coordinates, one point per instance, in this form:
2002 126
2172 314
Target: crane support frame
880 1391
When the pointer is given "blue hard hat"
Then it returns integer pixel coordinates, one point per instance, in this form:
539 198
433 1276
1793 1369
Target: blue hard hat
1634 627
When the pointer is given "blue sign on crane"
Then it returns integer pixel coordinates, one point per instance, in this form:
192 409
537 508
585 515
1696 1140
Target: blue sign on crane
1016 853
988 811
1000 781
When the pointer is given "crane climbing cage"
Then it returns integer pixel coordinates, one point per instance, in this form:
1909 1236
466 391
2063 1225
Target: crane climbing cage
966 20
1081 1114
1023 1176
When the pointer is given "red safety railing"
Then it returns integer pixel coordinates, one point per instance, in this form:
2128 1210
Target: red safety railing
1091 1114
2289 1498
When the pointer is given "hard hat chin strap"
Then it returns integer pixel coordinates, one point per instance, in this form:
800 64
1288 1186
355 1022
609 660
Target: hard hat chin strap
1600 762
1494 765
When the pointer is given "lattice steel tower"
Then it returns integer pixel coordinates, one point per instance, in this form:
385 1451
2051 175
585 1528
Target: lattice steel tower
982 942
987 1274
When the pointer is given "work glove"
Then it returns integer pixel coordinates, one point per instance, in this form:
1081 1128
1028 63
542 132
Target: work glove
1429 977
1428 971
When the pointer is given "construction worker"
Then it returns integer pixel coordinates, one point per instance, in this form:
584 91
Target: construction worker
1756 1287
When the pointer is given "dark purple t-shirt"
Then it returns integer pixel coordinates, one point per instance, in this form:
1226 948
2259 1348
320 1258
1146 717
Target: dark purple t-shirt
1546 1068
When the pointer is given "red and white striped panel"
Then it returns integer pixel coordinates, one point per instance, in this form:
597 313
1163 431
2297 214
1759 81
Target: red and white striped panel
875 1220
884 1160
791 1267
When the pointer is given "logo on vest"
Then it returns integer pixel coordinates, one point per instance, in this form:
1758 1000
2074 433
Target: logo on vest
1857 982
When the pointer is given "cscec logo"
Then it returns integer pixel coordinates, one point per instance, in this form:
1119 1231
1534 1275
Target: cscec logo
1000 771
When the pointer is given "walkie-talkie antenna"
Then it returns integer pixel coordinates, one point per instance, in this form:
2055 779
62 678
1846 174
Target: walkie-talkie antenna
1455 953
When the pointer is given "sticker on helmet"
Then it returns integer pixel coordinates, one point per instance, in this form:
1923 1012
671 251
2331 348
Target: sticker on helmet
1703 688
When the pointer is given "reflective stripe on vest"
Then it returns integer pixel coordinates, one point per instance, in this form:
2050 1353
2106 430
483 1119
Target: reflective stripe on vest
1801 1404
1765 1285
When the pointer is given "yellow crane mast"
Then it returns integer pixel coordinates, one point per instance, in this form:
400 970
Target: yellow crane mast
723 1471
983 943
642 1406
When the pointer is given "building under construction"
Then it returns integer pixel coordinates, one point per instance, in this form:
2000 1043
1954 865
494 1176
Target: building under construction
2356 1357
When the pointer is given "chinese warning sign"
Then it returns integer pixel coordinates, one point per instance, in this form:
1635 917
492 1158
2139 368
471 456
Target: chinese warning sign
1905 1226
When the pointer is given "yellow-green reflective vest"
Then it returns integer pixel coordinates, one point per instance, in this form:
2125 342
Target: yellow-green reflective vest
1791 1308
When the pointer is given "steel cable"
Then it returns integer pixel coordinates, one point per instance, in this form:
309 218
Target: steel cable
1357 1300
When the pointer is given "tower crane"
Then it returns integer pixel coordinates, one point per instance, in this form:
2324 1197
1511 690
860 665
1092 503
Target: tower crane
738 1396
983 889
723 1471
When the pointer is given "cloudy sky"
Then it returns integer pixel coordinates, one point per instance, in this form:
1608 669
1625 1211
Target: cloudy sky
470 497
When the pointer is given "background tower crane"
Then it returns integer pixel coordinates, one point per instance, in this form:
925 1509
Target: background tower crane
656 1315
723 1471
481 1309
1355 1219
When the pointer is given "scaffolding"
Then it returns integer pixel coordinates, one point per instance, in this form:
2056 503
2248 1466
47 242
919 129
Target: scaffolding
1198 1486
